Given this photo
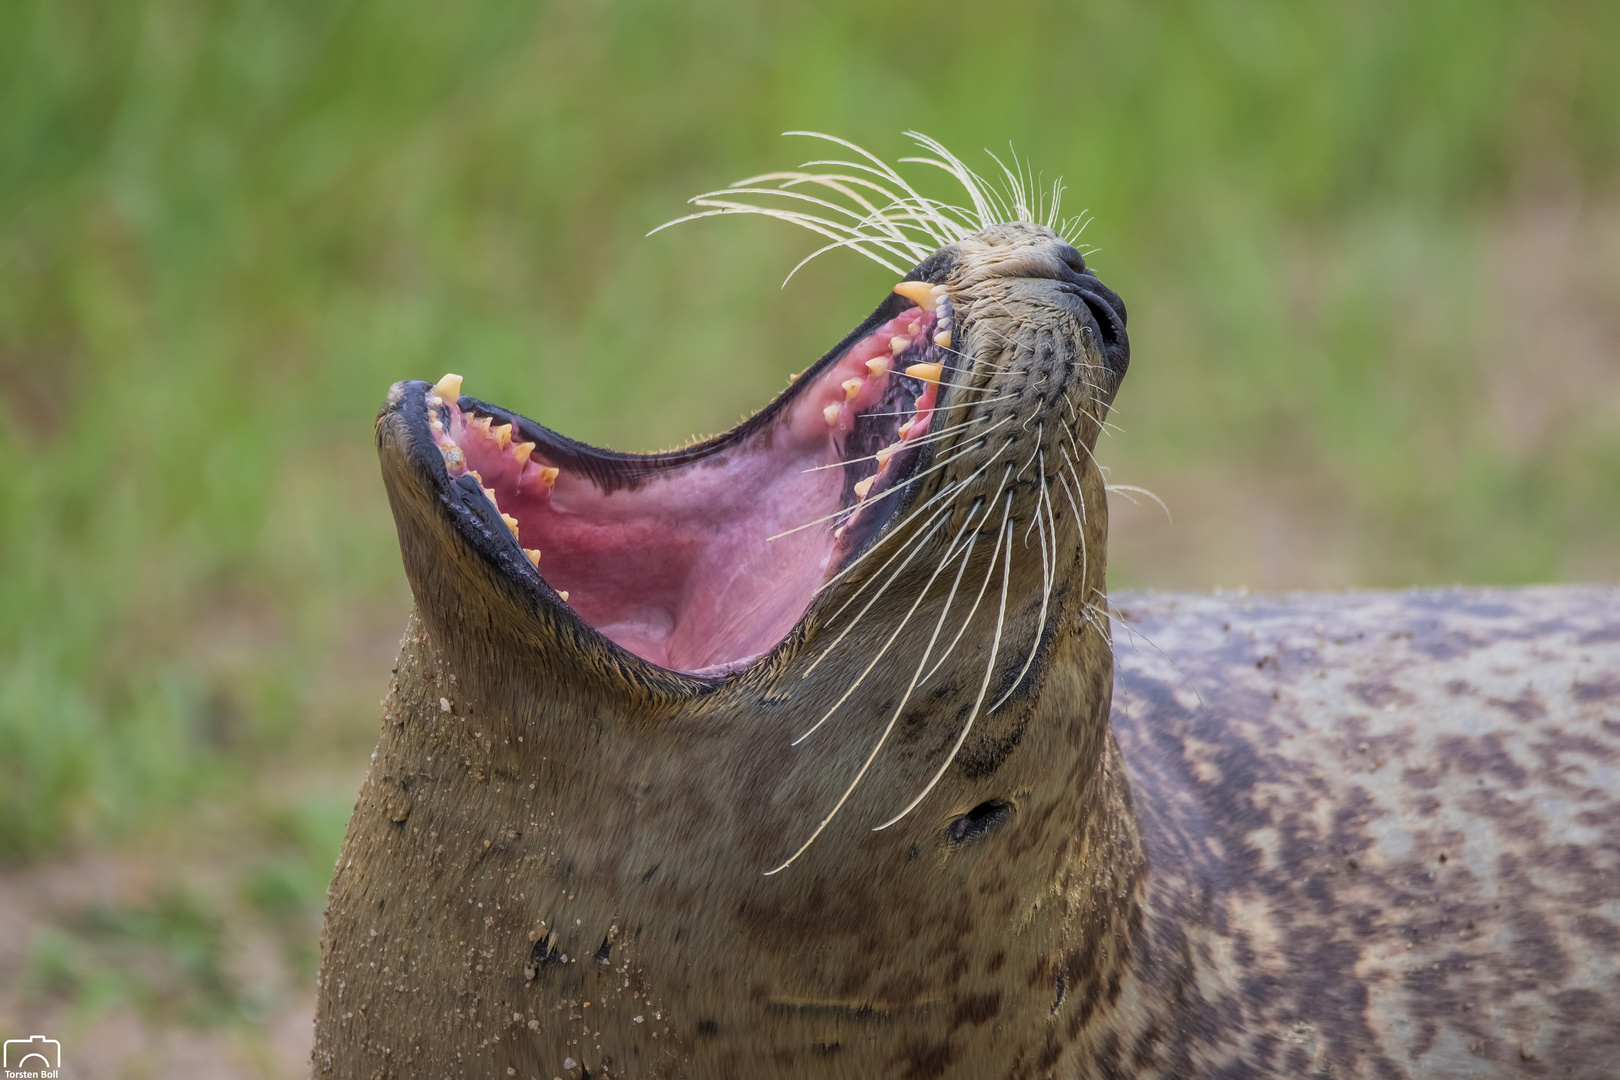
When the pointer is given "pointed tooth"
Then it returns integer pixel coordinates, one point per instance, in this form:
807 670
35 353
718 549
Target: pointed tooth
915 328
943 338
503 434
480 424
489 493
563 594
918 292
548 475
851 388
521 451
448 388
863 486
885 454
534 556
830 414
898 345
511 523
878 366
928 373
905 428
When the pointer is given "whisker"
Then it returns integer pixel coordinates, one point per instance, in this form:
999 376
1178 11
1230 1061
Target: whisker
945 491
923 441
1124 488
887 730
876 498
1048 568
1004 533
1005 476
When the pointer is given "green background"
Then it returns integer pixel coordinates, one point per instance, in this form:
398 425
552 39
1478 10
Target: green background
1371 252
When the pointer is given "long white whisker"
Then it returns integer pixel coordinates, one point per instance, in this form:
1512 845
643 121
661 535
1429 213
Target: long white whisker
943 492
915 548
989 668
888 728
1048 568
1005 476
920 441
1123 488
879 497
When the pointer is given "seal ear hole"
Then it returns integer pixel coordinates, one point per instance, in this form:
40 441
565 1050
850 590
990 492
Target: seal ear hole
978 821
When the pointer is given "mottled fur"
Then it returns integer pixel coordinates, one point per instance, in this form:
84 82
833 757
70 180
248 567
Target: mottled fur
1387 844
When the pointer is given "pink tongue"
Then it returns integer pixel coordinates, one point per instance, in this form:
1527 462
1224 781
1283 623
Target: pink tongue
705 567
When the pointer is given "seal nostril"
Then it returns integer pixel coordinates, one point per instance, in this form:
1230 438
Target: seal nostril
1110 317
978 821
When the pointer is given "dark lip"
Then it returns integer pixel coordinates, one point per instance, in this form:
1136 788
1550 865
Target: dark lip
480 525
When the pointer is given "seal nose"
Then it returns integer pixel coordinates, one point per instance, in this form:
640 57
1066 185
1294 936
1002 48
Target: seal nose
1108 311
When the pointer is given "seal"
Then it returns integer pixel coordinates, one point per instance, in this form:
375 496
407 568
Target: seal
788 753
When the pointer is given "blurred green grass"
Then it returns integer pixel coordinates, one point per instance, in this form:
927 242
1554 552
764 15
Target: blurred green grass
226 227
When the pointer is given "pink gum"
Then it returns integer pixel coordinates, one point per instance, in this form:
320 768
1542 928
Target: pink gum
493 464
830 385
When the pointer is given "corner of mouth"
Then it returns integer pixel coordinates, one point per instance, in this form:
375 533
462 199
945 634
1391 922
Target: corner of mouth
701 560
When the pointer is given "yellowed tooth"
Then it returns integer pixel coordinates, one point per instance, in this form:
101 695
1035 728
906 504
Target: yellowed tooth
878 365
534 556
449 388
435 425
851 388
885 454
548 475
905 428
452 455
928 373
898 345
915 328
480 424
503 434
863 486
563 595
943 338
489 493
521 451
830 414
511 523
920 293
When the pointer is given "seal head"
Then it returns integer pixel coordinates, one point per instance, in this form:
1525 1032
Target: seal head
784 753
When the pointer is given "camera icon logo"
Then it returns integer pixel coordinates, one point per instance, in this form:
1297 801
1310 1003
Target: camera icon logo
36 1056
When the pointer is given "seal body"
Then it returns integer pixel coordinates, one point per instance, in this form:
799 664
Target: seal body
1386 842
788 754
568 860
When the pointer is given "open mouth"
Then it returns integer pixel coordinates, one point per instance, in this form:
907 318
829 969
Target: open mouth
702 559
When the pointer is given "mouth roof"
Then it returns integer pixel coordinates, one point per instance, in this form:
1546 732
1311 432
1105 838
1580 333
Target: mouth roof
701 560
